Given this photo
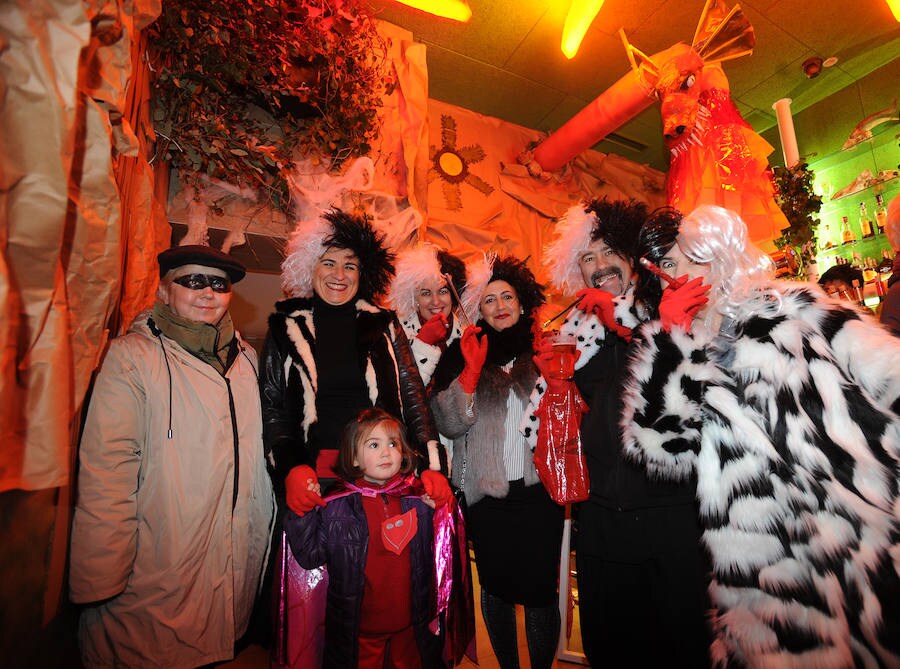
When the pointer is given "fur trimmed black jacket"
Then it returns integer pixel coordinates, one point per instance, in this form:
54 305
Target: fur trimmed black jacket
590 337
289 379
789 419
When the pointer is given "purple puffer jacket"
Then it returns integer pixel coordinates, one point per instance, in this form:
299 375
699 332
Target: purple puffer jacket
338 536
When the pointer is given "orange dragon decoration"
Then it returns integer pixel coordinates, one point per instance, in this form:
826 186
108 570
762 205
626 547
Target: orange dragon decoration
715 156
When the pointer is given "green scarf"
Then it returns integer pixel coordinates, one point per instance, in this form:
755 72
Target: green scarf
210 343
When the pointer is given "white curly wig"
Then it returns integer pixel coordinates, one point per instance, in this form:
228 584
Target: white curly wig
717 237
573 236
415 266
305 246
479 273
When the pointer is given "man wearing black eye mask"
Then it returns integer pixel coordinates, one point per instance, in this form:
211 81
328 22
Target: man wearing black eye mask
175 506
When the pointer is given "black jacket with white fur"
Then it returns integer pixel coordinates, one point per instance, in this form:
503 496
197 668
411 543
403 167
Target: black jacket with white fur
289 379
791 426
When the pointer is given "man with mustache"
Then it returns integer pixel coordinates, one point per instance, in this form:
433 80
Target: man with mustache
641 574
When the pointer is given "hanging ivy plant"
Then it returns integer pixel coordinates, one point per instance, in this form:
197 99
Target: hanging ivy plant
243 88
800 205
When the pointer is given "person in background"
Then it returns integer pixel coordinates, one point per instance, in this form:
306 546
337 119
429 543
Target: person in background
838 282
890 307
174 505
640 565
479 392
784 406
331 352
375 535
425 303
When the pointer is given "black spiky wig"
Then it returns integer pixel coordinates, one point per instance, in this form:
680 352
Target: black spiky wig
655 238
516 273
356 233
456 268
618 223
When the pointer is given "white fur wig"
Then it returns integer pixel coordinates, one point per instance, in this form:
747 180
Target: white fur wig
415 266
573 236
718 237
305 246
479 277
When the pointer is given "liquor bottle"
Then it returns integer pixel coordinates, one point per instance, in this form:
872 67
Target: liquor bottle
869 271
865 223
880 290
887 262
825 242
847 236
858 293
880 213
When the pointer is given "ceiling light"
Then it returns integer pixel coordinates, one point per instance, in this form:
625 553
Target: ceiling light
458 10
895 8
578 20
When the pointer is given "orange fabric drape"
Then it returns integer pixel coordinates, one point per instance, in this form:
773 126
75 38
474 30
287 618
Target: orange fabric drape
60 126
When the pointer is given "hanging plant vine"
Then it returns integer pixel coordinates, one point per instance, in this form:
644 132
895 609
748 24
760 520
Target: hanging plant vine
800 205
244 88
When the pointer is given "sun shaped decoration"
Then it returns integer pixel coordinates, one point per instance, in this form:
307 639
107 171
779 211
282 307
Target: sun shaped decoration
451 165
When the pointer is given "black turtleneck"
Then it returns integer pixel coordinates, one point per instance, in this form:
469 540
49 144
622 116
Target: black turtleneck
342 391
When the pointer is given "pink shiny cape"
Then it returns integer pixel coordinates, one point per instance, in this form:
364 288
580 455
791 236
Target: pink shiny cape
301 594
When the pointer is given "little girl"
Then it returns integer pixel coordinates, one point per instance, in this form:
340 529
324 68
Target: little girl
376 537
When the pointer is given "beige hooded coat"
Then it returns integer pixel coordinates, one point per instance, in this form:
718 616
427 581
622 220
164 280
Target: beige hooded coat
170 535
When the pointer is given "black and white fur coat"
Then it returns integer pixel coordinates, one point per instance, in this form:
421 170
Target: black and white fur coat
790 423
590 336
426 355
289 379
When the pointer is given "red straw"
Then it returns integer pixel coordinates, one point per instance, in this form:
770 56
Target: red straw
668 278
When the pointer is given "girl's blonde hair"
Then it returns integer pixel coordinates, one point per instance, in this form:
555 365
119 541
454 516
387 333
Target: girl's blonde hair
358 430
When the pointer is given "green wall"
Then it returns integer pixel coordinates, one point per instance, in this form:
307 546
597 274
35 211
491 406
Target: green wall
822 129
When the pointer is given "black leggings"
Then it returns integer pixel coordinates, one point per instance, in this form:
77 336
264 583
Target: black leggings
541 632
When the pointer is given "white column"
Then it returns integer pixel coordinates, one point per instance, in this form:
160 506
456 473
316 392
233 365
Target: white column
782 109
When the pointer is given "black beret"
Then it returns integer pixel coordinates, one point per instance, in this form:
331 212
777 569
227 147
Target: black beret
196 254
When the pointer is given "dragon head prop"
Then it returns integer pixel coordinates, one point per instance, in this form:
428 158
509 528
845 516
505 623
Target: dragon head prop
715 156
678 75
675 77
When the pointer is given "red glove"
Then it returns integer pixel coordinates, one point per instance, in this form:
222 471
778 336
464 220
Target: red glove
436 487
599 302
543 360
435 330
474 352
302 487
679 305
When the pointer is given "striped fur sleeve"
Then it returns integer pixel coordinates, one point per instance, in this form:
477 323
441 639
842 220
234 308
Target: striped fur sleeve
868 354
662 416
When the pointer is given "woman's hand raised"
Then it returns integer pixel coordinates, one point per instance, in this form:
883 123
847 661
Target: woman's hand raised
474 352
435 330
